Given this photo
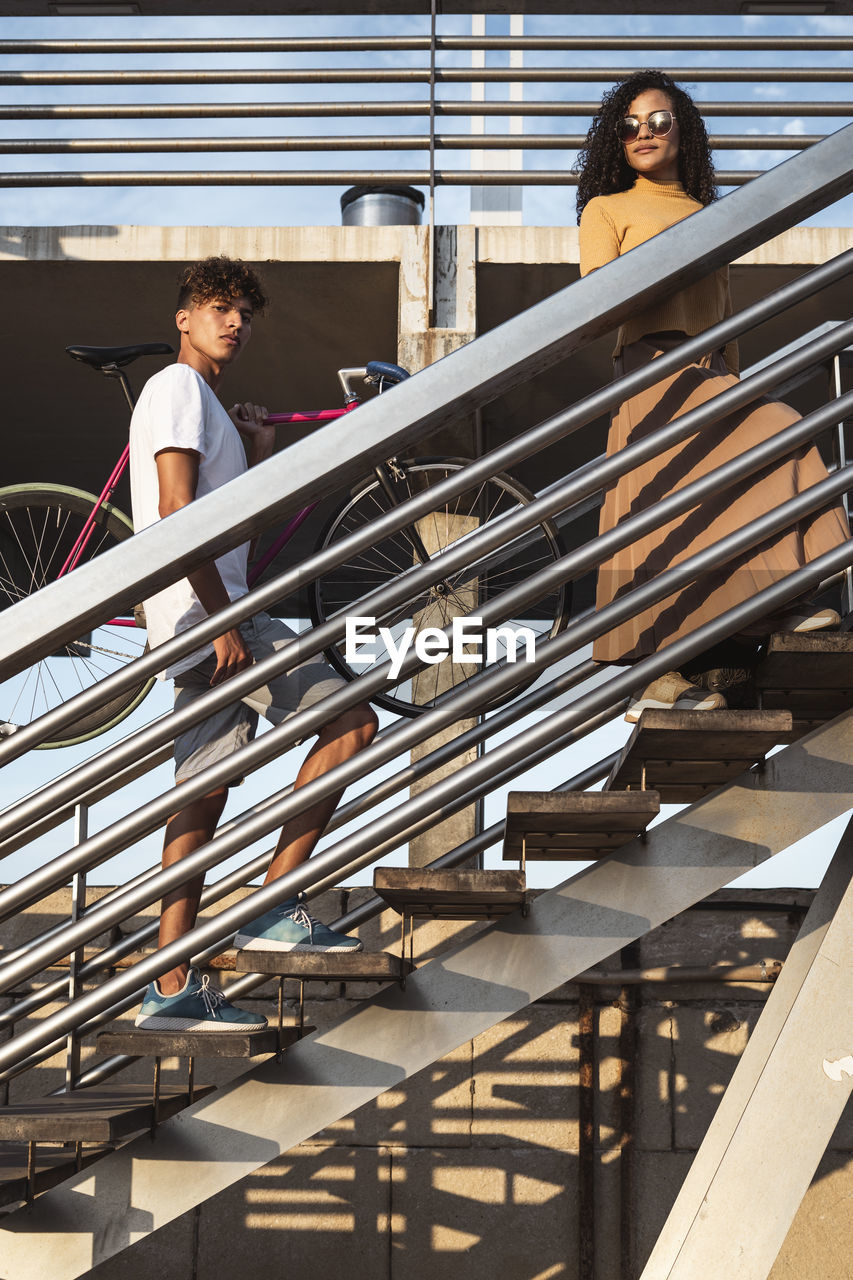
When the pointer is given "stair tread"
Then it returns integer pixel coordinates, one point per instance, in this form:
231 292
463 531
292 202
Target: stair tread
575 824
455 894
185 1044
52 1167
329 966
688 754
829 663
90 1115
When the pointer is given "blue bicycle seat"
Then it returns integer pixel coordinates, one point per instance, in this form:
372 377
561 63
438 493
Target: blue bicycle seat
379 371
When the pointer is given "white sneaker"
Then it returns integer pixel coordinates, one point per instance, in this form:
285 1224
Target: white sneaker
803 617
810 618
671 692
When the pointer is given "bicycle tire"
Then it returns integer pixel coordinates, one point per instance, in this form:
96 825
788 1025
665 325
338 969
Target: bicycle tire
382 562
38 526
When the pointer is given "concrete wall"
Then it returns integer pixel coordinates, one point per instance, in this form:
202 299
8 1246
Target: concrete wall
478 1165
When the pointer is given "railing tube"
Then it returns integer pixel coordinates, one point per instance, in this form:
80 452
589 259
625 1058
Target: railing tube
585 481
29 888
533 744
495 682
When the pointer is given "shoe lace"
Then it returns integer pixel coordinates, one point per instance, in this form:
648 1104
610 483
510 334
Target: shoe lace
211 996
300 916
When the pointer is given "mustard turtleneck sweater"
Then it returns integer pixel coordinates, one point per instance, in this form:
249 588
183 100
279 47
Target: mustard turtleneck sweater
612 225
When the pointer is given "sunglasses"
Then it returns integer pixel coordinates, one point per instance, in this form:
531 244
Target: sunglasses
658 124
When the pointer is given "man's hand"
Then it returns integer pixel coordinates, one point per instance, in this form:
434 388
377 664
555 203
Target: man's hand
259 439
232 656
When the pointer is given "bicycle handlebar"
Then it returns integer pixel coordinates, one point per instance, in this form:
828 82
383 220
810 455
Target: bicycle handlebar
376 372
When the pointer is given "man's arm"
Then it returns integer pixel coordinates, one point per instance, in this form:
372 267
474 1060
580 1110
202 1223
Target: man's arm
177 474
258 439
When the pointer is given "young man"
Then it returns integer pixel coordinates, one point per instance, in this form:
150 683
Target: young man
184 445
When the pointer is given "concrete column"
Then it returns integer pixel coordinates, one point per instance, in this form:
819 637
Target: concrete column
438 294
779 1111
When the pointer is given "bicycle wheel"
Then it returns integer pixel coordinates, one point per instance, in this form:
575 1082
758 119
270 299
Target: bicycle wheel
462 593
39 524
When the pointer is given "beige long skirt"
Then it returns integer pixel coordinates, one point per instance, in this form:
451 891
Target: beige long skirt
727 511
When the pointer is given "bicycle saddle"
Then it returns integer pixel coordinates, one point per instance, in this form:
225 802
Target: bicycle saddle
99 357
379 371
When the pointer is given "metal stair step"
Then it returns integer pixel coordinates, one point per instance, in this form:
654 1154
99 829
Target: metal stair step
91 1115
194 1044
562 825
328 966
450 895
52 1166
685 755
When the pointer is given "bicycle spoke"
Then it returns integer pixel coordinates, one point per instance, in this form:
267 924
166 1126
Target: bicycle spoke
38 531
54 555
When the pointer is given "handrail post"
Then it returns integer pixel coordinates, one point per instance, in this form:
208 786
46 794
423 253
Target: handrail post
841 459
75 960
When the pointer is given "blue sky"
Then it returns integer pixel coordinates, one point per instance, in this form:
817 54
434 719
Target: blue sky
319 205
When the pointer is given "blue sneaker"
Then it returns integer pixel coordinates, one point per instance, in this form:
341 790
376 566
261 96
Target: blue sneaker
197 1007
289 927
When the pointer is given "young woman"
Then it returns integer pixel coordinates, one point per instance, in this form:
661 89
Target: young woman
646 164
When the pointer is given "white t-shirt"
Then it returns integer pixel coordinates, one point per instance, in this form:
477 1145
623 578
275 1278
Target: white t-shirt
178 410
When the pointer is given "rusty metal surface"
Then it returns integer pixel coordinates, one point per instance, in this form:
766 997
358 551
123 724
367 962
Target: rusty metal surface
686 755
580 824
90 1115
463 895
358 966
196 1044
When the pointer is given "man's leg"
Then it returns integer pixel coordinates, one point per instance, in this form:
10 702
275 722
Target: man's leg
337 741
183 999
289 925
186 831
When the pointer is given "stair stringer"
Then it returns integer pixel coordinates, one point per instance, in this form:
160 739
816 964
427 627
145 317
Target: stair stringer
471 987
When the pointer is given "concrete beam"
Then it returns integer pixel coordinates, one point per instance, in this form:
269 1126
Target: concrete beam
780 1110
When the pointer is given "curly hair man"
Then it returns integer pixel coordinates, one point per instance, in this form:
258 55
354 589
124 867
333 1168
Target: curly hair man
184 445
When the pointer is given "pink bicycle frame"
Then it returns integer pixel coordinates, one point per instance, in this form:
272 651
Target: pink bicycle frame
274 419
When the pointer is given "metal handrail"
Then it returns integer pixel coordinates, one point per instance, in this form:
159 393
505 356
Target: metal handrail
366 910
586 480
483 689
410 773
421 75
526 748
378 44
370 142
383 107
687 426
321 178
503 357
430 73
502 458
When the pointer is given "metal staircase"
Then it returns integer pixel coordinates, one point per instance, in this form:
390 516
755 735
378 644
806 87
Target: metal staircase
744 805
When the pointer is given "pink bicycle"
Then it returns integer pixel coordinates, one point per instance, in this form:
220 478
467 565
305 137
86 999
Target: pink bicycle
47 530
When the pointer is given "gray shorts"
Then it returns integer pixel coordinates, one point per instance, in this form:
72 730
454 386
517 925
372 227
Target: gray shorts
224 732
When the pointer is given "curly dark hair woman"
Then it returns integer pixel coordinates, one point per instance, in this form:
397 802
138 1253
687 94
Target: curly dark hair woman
645 168
602 164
